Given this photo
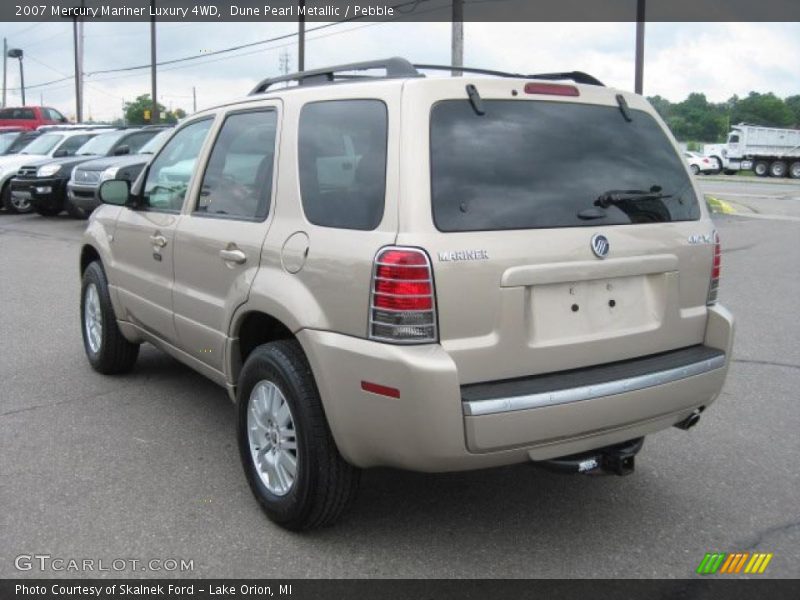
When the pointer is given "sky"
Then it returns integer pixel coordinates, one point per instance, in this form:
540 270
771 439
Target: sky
717 59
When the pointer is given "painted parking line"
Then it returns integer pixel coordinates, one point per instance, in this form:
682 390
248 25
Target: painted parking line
716 205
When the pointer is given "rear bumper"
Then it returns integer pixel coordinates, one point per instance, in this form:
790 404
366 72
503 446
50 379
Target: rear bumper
428 427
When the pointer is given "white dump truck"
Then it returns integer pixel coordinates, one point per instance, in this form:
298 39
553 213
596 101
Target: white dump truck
765 150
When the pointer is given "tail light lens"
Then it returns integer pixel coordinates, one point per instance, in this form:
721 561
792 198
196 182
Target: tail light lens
715 271
402 298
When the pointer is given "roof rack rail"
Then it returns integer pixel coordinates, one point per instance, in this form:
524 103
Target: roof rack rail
395 67
576 76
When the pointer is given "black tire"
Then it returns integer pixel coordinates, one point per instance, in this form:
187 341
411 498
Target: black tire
730 172
761 168
325 484
794 170
9 205
115 354
76 212
5 196
695 169
717 165
778 169
47 211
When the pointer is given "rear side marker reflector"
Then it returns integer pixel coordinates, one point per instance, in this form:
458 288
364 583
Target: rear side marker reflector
552 89
381 390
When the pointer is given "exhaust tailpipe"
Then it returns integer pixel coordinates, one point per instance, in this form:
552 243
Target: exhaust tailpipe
689 421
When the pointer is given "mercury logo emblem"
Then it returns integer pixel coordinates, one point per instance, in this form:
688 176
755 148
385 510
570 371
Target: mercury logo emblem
600 245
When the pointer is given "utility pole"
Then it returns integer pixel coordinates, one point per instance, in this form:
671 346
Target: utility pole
77 41
301 37
154 110
457 41
194 99
5 60
17 53
639 70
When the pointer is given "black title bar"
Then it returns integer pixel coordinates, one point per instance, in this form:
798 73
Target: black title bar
399 10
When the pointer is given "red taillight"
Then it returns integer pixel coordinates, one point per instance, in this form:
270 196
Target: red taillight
553 89
715 271
402 307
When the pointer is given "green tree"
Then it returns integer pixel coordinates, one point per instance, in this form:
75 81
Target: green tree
136 111
762 109
793 102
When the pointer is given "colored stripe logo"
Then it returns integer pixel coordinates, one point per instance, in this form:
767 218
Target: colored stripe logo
733 563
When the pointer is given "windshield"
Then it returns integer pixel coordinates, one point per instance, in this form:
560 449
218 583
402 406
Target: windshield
43 144
6 139
533 164
154 145
100 145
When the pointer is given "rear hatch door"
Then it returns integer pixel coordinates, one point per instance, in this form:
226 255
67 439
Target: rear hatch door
561 234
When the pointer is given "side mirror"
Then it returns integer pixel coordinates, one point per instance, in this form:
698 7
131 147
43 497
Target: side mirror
115 191
63 120
122 150
60 152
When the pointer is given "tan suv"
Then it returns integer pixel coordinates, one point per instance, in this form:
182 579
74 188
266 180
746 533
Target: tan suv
429 273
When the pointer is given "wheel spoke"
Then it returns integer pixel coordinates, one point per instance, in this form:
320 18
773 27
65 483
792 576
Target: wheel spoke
289 463
272 437
283 416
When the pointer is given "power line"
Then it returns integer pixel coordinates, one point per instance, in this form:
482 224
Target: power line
205 56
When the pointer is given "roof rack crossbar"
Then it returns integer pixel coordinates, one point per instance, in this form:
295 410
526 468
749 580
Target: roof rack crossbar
576 76
466 70
395 67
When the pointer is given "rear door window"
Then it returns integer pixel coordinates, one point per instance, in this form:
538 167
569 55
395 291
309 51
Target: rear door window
135 141
342 162
534 164
238 179
73 143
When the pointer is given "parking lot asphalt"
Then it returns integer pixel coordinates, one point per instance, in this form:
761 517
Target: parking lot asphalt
145 465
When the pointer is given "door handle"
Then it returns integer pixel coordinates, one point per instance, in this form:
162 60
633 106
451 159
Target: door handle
234 256
158 240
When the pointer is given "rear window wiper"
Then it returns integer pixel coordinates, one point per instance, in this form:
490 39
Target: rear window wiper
610 197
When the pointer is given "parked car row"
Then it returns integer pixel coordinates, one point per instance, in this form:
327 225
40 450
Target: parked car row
36 167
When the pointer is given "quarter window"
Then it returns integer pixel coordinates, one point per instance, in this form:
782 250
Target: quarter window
238 179
170 172
342 162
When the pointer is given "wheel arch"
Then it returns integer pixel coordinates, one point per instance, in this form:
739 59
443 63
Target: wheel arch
89 254
251 327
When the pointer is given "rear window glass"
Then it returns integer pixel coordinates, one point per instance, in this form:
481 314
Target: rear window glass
527 165
342 162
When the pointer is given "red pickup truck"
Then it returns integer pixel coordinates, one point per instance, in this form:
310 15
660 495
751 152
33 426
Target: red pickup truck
30 117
